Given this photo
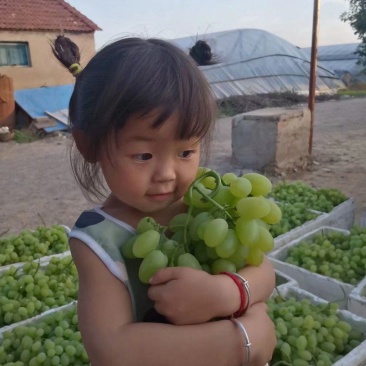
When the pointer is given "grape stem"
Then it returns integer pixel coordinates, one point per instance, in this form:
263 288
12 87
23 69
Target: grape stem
208 197
205 197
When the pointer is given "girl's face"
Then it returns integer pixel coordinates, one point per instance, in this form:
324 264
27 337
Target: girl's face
147 169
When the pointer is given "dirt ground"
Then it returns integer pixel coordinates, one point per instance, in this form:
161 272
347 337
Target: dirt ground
37 186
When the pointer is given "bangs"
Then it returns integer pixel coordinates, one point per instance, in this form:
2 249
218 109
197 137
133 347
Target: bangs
165 80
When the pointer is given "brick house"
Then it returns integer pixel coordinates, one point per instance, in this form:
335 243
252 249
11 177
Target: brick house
26 29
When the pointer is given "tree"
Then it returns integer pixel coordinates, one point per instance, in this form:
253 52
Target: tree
356 17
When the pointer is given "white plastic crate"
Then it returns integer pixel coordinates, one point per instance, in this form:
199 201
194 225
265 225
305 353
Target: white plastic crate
342 216
43 264
325 287
37 318
283 280
357 357
298 231
357 299
42 259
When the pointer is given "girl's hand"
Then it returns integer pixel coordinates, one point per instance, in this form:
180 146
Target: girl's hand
261 333
189 296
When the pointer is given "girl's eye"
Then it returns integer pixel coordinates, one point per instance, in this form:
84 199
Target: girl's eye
186 154
143 157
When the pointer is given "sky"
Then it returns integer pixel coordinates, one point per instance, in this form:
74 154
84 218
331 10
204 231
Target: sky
168 19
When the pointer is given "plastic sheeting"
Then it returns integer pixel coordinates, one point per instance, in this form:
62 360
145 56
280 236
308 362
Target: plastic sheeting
38 101
35 102
253 61
340 58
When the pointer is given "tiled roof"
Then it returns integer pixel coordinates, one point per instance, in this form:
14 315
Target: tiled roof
56 15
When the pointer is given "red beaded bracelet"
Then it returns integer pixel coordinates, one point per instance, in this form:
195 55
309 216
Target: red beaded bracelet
244 292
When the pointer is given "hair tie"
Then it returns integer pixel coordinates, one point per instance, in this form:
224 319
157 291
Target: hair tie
75 69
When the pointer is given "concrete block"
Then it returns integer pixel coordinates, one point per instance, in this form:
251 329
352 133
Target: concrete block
271 139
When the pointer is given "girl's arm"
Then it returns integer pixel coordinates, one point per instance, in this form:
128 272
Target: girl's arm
189 296
262 280
111 338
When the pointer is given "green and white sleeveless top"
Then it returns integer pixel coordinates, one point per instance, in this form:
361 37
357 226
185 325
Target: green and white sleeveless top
105 236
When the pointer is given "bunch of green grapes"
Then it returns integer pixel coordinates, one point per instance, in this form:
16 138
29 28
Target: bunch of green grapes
309 334
323 200
32 289
333 254
226 227
30 245
55 340
293 215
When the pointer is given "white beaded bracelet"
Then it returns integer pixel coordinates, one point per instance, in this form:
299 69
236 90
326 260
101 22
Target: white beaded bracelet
247 343
245 284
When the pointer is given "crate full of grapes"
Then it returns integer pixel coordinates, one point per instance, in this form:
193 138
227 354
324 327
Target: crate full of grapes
36 288
42 243
327 262
52 338
297 220
312 332
357 299
339 209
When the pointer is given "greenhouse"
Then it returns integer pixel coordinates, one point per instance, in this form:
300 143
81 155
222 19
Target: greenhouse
253 61
342 59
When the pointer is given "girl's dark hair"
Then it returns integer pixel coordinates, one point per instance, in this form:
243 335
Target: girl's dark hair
133 76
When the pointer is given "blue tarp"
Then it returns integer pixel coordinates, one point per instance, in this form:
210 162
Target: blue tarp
35 102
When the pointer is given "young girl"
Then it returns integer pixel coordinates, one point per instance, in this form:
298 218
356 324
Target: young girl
140 114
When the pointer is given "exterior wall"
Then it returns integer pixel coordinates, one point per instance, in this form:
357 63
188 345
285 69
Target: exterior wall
45 70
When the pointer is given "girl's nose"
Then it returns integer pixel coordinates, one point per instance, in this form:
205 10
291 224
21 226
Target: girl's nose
164 171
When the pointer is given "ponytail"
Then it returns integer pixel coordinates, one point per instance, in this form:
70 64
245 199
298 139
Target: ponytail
67 53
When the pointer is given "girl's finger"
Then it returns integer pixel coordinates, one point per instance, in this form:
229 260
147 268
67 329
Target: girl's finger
165 275
154 293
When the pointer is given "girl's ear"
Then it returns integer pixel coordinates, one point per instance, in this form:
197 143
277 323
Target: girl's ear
83 145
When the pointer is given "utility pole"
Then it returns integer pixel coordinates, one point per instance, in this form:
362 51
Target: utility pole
313 68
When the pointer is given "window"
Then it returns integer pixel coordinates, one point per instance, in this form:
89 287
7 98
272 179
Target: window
14 54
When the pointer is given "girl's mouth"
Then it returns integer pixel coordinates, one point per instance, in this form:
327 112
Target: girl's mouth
160 196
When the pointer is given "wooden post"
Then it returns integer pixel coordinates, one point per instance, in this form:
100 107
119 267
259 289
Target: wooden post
313 68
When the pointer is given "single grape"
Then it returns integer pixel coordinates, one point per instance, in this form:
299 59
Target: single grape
145 243
228 247
261 185
229 177
247 231
127 248
188 260
222 265
215 232
196 222
154 261
240 187
255 257
274 216
253 207
240 256
145 224
179 222
224 197
265 240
